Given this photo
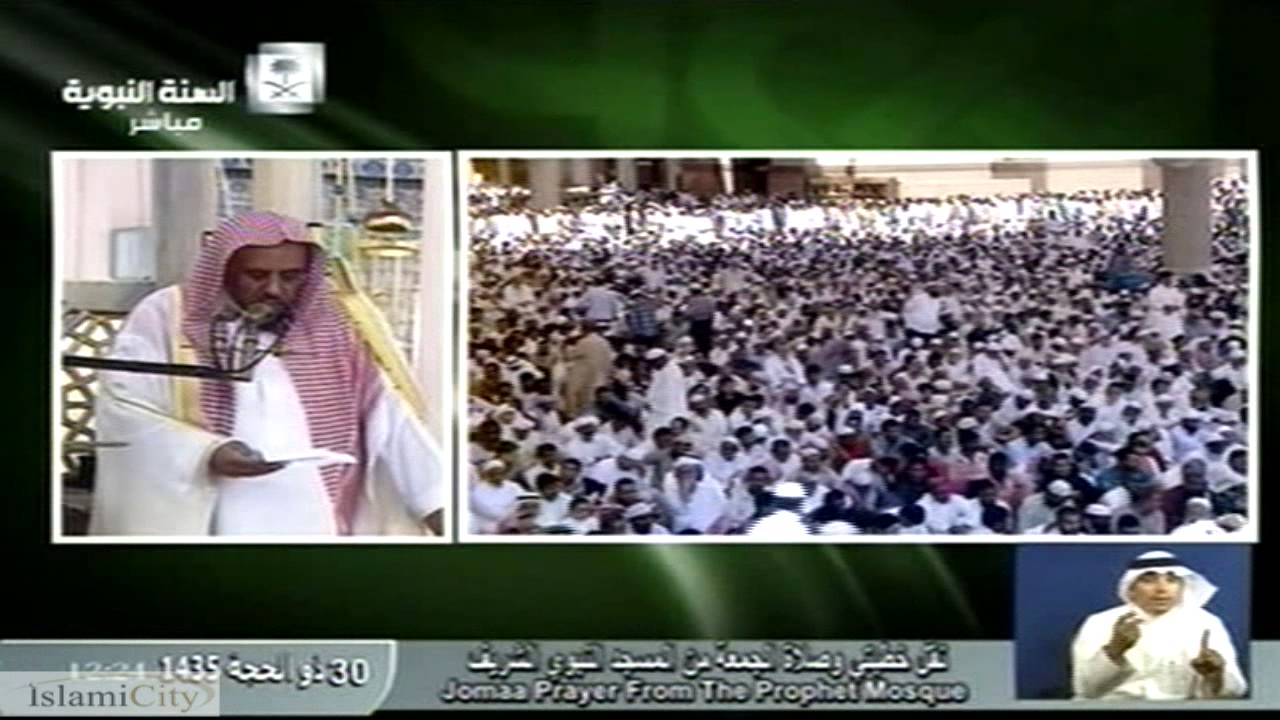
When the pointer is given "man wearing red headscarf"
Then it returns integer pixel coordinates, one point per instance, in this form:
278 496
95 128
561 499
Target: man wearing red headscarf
325 437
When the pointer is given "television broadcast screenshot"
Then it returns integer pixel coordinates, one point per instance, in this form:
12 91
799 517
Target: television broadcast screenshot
705 356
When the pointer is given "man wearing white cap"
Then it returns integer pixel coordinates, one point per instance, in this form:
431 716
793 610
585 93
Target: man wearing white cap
587 445
947 513
694 501
1199 522
492 497
707 425
1097 519
1160 643
668 395
1038 510
642 519
610 470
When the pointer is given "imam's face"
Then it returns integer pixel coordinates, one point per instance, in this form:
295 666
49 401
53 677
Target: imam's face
266 281
1156 592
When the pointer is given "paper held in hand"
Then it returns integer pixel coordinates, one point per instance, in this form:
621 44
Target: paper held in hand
315 455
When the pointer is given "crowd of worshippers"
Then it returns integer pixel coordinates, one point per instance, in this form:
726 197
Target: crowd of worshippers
820 382
500 215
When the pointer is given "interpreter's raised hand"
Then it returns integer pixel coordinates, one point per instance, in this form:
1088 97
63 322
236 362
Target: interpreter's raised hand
235 459
1209 662
1124 635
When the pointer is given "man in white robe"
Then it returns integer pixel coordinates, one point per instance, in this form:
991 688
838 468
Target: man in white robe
694 501
1159 643
492 498
668 394
587 445
324 438
922 312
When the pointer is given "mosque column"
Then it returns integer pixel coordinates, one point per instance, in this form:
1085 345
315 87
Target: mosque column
671 174
504 171
701 177
544 183
1150 175
289 187
579 171
431 364
787 176
1188 214
726 176
626 172
184 198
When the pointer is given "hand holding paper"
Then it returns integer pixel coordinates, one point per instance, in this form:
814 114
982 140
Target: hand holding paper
315 455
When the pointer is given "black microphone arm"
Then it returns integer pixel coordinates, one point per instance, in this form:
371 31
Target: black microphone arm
156 368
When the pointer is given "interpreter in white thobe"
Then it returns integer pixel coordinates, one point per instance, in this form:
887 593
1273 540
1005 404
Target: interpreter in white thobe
1160 643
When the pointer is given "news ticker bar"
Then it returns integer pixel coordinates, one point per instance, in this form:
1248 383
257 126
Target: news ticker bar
360 677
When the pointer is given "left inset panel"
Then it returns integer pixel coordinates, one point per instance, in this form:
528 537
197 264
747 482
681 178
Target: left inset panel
252 347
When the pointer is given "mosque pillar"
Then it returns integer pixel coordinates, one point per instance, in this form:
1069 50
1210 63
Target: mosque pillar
701 177
726 176
1188 214
184 198
504 171
1150 175
580 171
544 183
289 187
626 173
671 174
787 176
432 367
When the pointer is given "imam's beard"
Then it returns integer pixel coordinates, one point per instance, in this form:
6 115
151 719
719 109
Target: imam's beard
266 315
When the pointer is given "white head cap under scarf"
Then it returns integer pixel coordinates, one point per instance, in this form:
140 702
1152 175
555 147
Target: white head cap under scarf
1196 588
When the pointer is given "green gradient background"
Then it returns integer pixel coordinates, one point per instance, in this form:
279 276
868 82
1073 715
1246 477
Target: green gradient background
867 75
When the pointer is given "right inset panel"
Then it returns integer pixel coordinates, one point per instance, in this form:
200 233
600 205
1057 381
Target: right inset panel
926 346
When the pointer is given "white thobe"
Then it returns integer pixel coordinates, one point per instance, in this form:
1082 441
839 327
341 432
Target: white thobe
941 517
922 314
724 471
706 505
588 452
159 483
1187 444
1158 666
607 473
1197 528
582 527
489 504
667 395
553 512
709 431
